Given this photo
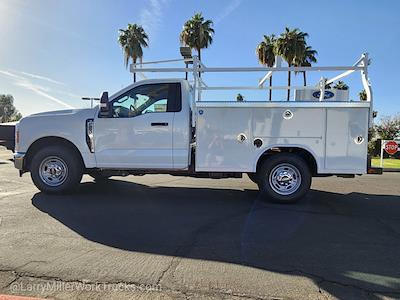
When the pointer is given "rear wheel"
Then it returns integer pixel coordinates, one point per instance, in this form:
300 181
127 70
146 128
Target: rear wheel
56 170
284 178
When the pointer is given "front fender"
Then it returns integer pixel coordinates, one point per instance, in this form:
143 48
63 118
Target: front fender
70 126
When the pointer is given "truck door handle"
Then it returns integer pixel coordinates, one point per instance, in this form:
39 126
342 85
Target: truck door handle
159 124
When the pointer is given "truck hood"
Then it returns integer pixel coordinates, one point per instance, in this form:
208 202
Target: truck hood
65 112
67 124
62 119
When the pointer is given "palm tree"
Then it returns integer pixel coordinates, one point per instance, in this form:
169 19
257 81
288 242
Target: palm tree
132 39
291 46
340 85
266 51
363 95
197 33
309 57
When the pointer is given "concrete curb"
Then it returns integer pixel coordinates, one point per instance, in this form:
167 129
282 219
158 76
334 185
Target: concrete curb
391 170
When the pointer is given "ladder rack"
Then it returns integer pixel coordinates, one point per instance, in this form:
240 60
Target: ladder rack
195 67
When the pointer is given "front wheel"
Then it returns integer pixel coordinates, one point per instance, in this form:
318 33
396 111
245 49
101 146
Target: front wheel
284 178
253 177
56 170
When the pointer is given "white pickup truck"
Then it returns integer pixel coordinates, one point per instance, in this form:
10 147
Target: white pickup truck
157 126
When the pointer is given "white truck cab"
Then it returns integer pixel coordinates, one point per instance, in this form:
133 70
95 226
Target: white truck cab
158 126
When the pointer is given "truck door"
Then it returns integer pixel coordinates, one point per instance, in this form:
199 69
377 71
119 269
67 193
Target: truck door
139 131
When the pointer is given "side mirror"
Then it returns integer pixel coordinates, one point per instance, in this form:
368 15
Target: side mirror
104 105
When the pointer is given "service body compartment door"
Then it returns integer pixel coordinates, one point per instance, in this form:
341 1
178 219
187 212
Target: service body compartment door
218 148
346 140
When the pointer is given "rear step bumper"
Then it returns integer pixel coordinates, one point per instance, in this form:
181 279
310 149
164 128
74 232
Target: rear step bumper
375 170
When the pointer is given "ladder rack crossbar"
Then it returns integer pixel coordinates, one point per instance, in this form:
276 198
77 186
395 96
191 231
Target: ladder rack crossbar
216 88
247 69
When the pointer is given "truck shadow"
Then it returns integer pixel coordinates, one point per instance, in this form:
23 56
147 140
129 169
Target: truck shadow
337 240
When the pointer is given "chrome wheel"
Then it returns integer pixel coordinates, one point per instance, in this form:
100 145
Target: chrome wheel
285 179
53 171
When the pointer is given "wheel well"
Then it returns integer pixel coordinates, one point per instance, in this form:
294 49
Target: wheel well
306 155
49 141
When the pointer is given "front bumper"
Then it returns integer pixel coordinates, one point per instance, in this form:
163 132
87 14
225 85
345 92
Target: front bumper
19 160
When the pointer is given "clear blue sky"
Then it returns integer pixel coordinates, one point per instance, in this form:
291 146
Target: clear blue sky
54 52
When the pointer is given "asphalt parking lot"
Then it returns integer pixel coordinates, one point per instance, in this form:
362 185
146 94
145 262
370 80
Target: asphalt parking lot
165 237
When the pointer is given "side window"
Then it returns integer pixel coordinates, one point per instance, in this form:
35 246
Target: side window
148 98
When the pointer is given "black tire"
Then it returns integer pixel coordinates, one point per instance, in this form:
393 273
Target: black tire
253 177
98 176
63 156
284 178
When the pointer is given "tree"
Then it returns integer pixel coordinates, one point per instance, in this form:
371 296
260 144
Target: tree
340 85
389 128
308 58
8 112
266 51
291 46
239 98
363 95
197 33
132 40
